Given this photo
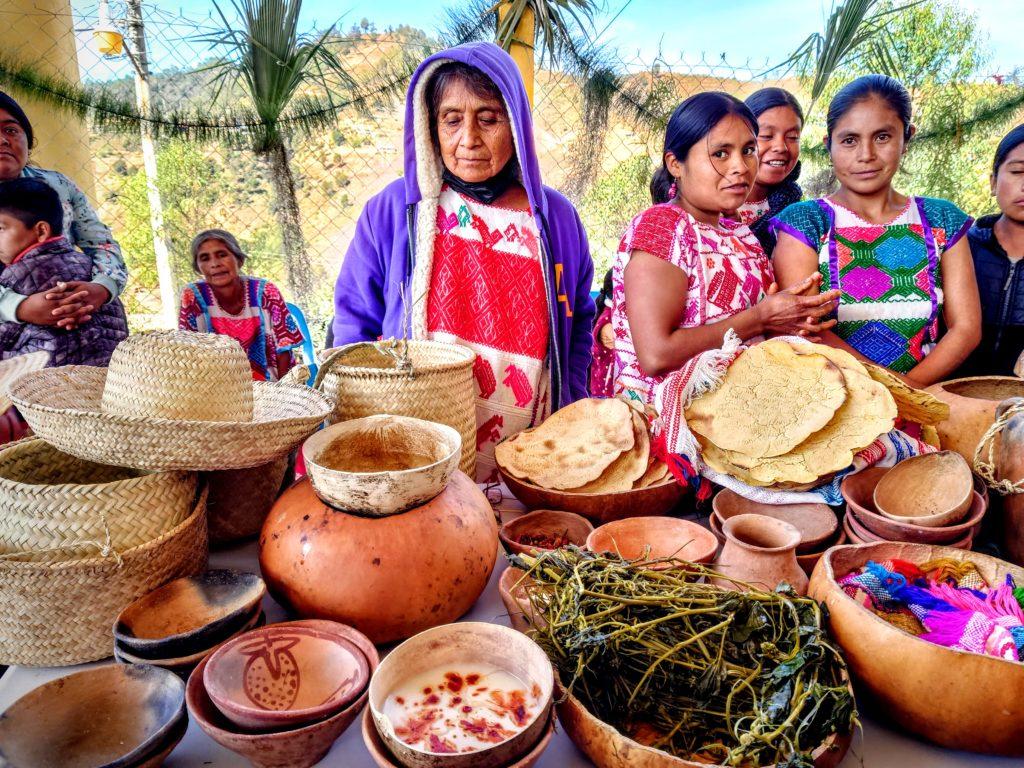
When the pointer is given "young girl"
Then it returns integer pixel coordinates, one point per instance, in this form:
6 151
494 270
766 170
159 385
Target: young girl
683 275
901 263
602 366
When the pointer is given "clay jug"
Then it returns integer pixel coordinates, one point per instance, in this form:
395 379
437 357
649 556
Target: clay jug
972 409
760 550
1010 466
389 577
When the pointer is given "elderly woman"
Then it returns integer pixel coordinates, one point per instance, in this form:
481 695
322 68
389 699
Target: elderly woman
470 247
81 226
248 309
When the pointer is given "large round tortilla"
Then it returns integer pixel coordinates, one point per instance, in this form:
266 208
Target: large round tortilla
572 447
914 405
770 401
629 467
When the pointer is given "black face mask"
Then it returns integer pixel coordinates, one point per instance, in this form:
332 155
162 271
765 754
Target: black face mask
485 192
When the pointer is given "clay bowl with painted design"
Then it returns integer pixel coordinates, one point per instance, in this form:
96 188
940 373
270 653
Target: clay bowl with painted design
283 676
543 524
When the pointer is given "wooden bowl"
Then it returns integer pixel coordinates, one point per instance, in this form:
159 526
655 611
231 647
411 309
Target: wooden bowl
932 490
113 716
956 699
541 522
664 536
459 646
189 615
381 465
599 508
384 759
817 523
285 676
858 490
297 748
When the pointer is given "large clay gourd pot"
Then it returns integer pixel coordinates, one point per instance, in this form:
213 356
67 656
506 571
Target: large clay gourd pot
761 551
972 409
389 577
1010 466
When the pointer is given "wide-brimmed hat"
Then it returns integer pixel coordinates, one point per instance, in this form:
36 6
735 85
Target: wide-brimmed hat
169 400
13 367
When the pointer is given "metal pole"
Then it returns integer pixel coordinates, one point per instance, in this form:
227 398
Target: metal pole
140 61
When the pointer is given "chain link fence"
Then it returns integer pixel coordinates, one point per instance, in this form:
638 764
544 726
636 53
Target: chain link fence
599 152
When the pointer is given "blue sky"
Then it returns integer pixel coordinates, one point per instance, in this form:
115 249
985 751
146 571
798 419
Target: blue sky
757 31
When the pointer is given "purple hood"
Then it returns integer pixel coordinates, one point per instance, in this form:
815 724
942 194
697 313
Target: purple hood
391 252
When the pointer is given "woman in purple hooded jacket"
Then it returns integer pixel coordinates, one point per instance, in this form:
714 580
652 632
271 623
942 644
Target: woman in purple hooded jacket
485 254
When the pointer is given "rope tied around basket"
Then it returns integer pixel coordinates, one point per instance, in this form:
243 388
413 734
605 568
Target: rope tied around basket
105 548
986 467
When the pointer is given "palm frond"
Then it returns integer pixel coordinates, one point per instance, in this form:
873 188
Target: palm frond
556 23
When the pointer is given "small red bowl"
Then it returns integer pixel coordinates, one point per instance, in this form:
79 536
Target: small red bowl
283 676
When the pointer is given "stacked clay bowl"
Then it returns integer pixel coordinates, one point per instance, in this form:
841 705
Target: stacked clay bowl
864 523
818 525
291 719
177 625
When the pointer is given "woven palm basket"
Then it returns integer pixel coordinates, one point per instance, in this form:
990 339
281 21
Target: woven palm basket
61 613
366 379
13 367
56 506
155 408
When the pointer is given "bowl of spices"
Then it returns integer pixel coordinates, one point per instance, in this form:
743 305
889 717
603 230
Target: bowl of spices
543 530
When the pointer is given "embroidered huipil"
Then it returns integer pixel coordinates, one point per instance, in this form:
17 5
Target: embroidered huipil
264 327
726 270
751 212
889 274
487 293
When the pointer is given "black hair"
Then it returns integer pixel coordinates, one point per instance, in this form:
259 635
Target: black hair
770 98
1010 142
455 71
884 87
13 108
31 201
604 297
690 122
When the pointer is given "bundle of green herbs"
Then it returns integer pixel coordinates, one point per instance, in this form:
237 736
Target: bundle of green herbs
740 678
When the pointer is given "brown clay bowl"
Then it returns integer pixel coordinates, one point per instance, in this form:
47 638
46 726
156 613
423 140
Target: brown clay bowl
858 490
956 699
932 490
599 507
296 748
858 534
817 523
807 561
160 752
654 538
114 716
458 646
384 759
549 522
189 615
284 676
512 588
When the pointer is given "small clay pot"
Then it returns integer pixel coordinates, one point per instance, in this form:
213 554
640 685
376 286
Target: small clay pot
817 523
284 676
760 551
932 490
543 522
654 538
972 409
807 560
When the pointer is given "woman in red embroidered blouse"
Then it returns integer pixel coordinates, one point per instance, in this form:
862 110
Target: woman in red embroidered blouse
684 275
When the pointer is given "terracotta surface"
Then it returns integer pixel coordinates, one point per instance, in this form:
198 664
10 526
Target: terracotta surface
972 408
600 508
384 759
858 491
372 492
817 523
283 676
1010 466
806 561
932 490
544 521
607 748
189 615
665 536
114 716
761 551
511 589
389 577
298 748
458 645
953 698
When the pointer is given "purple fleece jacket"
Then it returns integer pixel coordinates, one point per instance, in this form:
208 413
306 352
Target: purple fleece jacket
379 261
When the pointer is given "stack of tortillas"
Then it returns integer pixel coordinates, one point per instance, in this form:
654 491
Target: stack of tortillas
788 416
590 446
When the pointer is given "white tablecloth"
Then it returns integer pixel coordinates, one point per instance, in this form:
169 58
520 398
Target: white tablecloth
879 746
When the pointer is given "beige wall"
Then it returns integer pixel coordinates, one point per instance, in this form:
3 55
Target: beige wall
41 34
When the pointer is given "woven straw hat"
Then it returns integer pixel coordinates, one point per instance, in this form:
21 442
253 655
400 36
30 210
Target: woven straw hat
169 400
13 367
